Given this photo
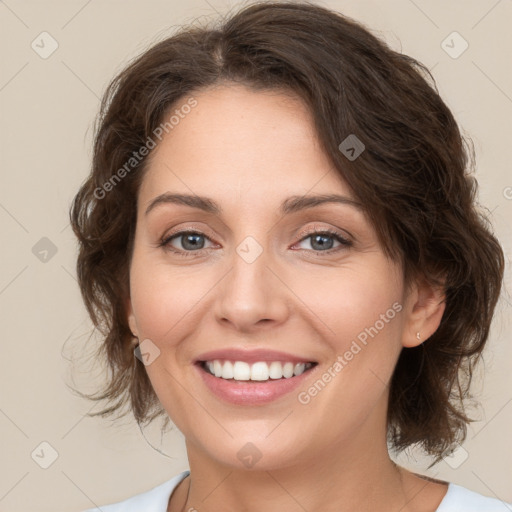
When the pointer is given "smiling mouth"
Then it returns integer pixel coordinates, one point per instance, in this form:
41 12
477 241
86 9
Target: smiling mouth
261 371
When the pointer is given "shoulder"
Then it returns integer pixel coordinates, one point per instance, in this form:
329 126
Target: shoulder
461 499
154 500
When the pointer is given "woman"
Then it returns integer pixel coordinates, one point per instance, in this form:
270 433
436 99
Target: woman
279 239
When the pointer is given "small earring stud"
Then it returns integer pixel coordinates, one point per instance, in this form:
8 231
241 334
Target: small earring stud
418 336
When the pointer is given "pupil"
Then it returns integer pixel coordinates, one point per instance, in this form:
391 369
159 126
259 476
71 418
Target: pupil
190 239
322 244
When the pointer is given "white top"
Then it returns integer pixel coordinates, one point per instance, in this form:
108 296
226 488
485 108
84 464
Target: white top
456 499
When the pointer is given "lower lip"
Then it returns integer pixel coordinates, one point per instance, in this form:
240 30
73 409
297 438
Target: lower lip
247 392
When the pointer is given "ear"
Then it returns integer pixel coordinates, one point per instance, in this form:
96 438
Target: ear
425 305
131 318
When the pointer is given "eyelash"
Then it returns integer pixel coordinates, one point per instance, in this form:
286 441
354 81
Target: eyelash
165 242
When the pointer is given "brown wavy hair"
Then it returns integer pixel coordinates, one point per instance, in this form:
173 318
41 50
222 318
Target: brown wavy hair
414 179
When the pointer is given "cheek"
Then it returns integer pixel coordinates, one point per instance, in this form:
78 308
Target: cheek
353 299
163 302
161 298
360 309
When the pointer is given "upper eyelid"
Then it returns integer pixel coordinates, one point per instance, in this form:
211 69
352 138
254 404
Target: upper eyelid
208 232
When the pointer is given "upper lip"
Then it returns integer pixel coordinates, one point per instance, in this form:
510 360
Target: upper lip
252 356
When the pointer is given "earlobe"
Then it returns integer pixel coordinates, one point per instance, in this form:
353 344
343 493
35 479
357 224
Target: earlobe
426 306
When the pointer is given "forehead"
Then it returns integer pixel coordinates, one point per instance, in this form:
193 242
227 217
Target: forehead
238 142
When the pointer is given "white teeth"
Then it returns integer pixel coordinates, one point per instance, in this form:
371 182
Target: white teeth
227 370
260 371
288 370
275 370
241 371
299 369
217 367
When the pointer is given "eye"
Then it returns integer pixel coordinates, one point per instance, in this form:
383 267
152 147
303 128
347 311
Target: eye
190 241
320 241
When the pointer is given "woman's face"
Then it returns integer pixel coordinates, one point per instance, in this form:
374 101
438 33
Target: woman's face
256 277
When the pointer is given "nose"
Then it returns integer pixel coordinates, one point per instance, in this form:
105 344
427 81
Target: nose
252 295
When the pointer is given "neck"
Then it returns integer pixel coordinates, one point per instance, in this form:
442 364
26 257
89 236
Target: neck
342 479
353 473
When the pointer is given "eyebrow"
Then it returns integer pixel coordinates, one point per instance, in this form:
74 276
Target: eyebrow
290 205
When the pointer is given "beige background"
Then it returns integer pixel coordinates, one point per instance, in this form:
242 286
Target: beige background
47 112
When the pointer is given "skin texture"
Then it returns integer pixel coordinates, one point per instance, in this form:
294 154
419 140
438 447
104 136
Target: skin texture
248 151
